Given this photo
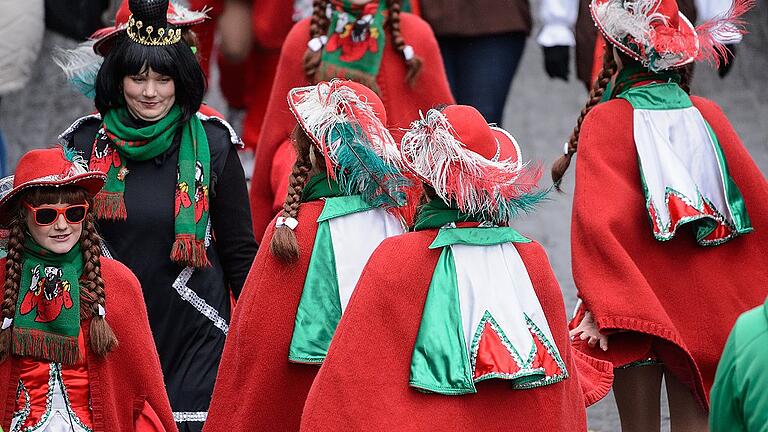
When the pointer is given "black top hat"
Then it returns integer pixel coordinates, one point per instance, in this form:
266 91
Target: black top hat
148 24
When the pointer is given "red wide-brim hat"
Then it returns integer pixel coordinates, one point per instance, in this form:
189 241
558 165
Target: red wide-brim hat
53 167
328 104
657 34
178 16
477 166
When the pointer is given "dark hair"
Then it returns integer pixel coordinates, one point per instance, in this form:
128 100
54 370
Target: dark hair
130 58
319 26
102 339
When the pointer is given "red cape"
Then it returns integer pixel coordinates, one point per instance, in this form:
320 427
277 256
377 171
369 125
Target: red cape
269 184
363 383
257 389
685 295
126 378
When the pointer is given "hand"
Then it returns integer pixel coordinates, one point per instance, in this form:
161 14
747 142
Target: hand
557 61
587 331
727 62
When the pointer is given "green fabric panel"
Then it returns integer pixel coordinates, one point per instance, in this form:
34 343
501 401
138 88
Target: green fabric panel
732 194
440 362
341 206
477 236
667 96
319 309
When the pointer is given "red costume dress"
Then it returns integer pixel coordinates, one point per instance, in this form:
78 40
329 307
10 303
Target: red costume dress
684 297
274 155
124 390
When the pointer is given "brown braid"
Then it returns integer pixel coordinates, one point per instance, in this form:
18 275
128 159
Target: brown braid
13 263
318 26
284 245
102 338
686 75
604 77
414 64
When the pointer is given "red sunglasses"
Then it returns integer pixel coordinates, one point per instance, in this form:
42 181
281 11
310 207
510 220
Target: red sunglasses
44 216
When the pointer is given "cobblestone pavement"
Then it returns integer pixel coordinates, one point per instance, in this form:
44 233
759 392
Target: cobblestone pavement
540 113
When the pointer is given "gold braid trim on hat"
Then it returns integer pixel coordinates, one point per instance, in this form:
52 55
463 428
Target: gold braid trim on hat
144 35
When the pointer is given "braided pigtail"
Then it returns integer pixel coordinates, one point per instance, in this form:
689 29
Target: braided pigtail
93 302
598 89
283 245
318 28
13 263
412 62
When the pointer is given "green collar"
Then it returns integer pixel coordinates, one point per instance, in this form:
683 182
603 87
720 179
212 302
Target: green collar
436 213
320 186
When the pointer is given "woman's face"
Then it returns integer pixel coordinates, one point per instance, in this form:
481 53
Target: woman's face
59 237
149 95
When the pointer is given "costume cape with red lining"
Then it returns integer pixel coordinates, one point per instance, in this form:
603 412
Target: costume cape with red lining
363 383
269 183
257 388
127 378
685 295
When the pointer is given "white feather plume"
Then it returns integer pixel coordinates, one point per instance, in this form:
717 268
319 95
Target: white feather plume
80 65
326 105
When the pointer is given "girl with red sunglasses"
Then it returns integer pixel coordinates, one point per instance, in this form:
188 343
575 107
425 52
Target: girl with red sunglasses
60 360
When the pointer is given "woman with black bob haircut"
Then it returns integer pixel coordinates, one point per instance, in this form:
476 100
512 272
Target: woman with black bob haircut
174 208
176 61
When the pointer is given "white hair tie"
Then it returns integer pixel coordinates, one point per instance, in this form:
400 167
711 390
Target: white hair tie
289 222
408 52
565 148
317 43
7 323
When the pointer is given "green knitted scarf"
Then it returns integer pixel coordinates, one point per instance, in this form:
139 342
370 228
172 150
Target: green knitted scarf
356 40
47 320
117 143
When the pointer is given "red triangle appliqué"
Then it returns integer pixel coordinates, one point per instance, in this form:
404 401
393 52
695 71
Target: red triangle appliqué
492 355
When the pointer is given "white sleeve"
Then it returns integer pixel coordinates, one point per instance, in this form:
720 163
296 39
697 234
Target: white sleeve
710 9
558 18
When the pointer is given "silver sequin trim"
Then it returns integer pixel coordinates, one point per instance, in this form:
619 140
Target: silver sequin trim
180 285
190 416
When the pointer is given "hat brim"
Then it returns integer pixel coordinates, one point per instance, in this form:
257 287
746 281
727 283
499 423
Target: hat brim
91 181
685 27
105 37
294 96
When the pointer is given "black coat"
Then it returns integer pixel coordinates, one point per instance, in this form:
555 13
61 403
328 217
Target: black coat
188 313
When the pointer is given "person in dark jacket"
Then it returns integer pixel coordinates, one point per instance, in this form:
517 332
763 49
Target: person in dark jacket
175 207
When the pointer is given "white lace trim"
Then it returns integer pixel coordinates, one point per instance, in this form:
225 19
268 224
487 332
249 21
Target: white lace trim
190 416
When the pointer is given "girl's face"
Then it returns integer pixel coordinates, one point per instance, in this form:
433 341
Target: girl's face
61 235
360 2
149 95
